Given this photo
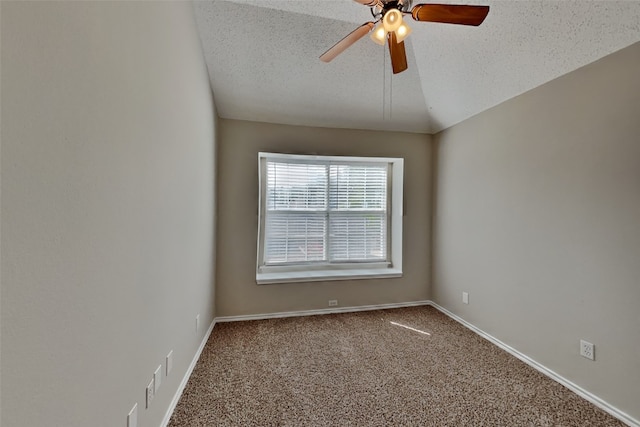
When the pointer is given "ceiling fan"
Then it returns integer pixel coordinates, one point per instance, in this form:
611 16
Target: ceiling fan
392 29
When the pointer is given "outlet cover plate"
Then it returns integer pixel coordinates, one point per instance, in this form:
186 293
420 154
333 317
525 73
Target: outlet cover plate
465 297
157 379
132 417
150 392
333 303
587 350
169 363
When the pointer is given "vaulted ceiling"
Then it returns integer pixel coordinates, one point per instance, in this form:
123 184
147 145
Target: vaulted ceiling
262 57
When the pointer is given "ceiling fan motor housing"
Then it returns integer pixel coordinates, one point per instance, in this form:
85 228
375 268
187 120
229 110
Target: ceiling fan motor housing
402 5
381 7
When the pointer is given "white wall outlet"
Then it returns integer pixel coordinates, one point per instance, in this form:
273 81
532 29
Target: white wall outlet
587 350
169 363
157 379
465 297
333 303
132 417
197 323
150 392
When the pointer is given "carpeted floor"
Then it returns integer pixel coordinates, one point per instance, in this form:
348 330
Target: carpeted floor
401 367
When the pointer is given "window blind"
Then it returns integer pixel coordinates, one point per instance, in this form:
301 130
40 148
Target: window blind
326 212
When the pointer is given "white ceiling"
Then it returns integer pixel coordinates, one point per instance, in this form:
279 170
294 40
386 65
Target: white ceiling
263 61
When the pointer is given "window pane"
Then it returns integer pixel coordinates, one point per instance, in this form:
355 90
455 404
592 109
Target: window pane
358 187
294 237
358 237
296 186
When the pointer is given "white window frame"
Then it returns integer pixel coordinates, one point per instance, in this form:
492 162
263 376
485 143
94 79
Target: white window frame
268 274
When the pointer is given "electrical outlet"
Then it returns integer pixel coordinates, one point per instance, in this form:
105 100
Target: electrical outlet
157 379
132 417
465 297
587 350
333 302
150 392
197 323
169 363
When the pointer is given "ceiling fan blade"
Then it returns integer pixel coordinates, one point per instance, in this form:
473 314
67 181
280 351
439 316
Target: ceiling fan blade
398 54
450 13
353 37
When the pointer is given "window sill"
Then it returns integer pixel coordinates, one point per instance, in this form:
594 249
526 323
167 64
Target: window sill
326 275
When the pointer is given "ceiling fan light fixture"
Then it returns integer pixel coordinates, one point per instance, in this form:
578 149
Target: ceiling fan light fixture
403 32
392 20
379 35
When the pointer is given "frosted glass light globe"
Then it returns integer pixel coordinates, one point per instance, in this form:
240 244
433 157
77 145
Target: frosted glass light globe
392 20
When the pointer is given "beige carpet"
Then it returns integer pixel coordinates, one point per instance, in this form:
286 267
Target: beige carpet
401 367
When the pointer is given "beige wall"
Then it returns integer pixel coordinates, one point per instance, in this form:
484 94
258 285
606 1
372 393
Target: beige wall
237 292
538 218
107 207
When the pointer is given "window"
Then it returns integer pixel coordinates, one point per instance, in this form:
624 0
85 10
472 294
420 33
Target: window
329 218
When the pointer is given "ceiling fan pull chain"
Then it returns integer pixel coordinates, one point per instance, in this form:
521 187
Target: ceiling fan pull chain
384 79
390 96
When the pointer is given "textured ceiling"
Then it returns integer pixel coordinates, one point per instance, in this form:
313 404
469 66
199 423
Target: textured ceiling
262 57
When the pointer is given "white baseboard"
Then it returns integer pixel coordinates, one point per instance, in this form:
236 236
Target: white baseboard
187 375
320 311
622 416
